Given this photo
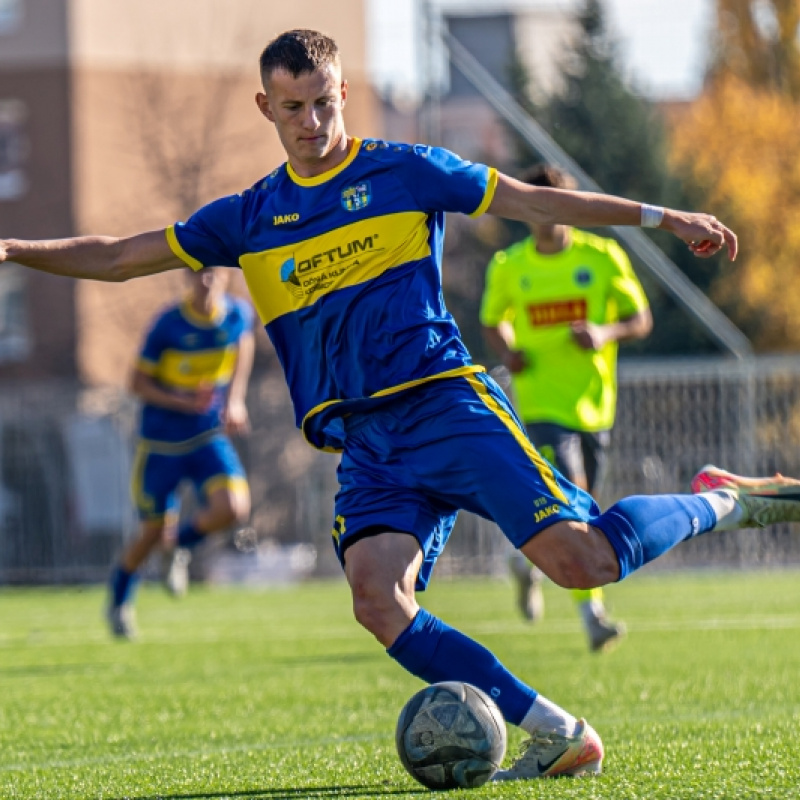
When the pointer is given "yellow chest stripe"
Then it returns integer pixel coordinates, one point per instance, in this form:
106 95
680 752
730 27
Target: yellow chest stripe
189 370
289 278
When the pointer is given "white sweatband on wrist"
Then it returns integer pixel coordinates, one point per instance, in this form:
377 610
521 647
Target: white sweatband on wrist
651 216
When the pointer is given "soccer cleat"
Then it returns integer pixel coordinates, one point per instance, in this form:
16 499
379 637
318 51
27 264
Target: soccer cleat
530 598
550 755
763 501
122 621
176 571
603 635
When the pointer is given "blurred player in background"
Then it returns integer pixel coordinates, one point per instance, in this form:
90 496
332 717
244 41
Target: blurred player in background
554 308
191 377
341 247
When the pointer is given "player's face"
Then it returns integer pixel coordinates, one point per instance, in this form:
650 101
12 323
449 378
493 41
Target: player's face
209 282
307 113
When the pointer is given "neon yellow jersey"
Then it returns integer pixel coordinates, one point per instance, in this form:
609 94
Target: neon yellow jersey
540 295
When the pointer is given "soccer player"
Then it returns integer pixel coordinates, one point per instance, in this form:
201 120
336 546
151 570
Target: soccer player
554 308
341 248
191 377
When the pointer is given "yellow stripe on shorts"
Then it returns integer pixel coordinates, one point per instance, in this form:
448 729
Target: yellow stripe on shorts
545 470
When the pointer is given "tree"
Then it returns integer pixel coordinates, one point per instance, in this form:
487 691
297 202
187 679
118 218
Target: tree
620 139
749 162
757 43
739 141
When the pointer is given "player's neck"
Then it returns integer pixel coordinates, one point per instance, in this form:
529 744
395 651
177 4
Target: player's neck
205 305
314 167
558 239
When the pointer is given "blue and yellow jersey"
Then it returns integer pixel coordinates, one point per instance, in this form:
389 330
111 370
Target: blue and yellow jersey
183 351
345 272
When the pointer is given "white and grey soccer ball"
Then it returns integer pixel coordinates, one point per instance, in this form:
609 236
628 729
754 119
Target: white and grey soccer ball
451 735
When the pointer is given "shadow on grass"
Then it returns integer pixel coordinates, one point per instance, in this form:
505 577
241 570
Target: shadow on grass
34 670
309 792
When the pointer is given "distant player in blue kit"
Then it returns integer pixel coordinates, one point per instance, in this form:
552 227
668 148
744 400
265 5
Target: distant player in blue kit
341 247
191 377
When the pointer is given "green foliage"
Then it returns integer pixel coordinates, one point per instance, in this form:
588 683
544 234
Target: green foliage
236 693
756 42
620 140
739 142
597 118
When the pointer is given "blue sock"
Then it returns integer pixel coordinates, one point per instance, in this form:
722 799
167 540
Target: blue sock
433 651
642 528
189 536
122 585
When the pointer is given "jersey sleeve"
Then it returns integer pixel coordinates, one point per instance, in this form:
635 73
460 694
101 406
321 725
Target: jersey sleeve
496 302
442 181
155 343
246 316
626 290
212 236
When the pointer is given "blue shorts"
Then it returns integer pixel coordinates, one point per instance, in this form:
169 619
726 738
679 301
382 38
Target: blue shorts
157 473
447 445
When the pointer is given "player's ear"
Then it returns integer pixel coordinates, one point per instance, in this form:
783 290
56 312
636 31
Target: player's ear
263 106
343 91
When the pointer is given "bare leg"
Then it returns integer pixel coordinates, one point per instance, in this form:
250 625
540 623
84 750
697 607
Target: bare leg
151 534
574 555
381 571
225 506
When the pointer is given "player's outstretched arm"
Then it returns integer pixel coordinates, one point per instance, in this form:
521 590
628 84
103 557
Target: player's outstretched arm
704 234
100 258
237 420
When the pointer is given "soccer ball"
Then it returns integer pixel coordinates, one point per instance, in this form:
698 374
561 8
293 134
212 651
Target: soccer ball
451 735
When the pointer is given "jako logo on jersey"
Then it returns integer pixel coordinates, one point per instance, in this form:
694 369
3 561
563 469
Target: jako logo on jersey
538 516
282 219
354 198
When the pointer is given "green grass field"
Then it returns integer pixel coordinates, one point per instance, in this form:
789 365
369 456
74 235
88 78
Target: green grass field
277 693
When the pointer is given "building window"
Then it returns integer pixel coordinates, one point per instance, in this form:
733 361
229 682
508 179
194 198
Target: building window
10 15
15 342
13 149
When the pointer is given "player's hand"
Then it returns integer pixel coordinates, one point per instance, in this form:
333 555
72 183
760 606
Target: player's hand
588 335
3 251
236 418
704 234
201 400
514 361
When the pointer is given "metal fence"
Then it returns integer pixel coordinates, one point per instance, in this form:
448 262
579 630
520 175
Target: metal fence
65 456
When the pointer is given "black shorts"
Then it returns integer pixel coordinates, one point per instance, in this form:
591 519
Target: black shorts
580 456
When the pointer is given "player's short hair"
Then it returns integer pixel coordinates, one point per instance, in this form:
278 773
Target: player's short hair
547 175
297 52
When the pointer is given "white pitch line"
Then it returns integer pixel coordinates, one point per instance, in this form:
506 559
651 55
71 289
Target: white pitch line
164 636
750 623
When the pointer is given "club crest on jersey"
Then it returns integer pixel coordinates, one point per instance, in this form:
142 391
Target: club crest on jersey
583 276
354 198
